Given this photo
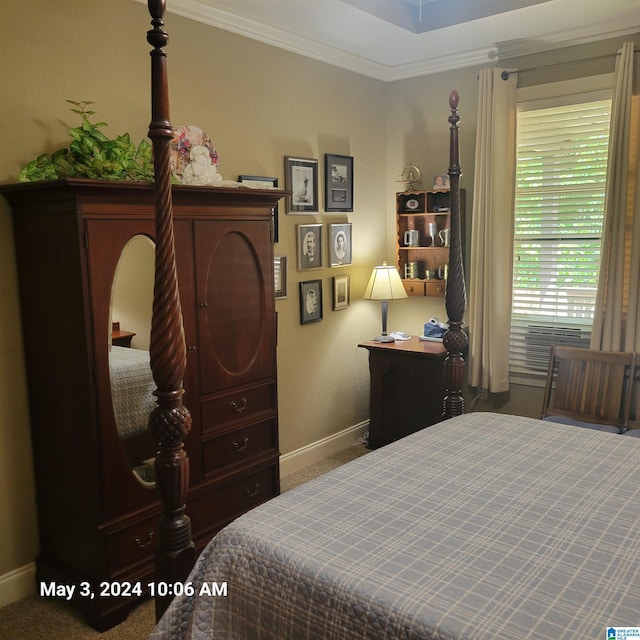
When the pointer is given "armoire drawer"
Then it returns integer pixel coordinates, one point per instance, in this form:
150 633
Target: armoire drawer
242 404
132 545
238 446
214 509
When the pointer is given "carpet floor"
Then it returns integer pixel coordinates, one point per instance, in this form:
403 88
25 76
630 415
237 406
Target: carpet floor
35 618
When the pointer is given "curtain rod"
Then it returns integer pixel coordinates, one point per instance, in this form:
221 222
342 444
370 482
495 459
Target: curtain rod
505 74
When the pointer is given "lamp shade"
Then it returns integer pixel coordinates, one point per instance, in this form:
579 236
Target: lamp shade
385 284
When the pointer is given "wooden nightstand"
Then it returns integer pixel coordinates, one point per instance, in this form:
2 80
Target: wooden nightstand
120 338
407 388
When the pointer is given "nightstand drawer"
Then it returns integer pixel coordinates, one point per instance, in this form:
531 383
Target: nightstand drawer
239 446
241 405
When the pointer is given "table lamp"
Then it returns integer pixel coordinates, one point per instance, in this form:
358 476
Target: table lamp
384 284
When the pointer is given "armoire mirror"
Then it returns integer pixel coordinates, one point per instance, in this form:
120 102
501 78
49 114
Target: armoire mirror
132 384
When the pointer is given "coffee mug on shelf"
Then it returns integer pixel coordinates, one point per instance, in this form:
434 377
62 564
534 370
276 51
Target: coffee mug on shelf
443 234
412 238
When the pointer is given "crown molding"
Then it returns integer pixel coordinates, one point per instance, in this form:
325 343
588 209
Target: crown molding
322 52
559 40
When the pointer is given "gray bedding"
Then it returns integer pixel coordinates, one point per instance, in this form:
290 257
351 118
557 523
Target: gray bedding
132 388
484 526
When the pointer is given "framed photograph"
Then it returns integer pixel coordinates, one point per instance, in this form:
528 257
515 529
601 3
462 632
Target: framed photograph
264 182
309 246
441 182
301 178
338 172
341 292
280 276
310 301
339 244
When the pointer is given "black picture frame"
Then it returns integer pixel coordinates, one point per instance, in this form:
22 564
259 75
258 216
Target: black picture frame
310 301
301 179
309 246
340 244
264 182
338 179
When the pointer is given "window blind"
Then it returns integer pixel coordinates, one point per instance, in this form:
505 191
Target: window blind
561 169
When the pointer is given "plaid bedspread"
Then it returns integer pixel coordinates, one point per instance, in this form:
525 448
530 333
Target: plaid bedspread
132 388
484 526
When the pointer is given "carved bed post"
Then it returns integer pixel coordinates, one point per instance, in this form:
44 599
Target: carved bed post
455 339
170 421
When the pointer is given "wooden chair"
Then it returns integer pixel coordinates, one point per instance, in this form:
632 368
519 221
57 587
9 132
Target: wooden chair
633 423
588 387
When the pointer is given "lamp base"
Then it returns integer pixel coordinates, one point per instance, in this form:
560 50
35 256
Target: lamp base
384 338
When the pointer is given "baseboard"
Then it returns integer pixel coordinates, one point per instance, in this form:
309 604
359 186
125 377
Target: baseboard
317 451
17 584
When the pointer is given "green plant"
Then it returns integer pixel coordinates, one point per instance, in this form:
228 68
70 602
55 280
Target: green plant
91 154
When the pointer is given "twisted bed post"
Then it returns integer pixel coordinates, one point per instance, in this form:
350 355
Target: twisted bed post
455 339
170 421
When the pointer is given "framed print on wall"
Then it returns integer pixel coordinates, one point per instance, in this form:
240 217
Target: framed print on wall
264 182
280 276
309 241
301 178
341 292
338 173
339 244
310 301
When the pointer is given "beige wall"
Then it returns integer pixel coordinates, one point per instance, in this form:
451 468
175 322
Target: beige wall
258 104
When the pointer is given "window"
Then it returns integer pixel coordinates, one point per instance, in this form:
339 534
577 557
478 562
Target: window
561 167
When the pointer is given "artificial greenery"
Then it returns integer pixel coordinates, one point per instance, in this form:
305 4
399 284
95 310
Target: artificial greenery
91 154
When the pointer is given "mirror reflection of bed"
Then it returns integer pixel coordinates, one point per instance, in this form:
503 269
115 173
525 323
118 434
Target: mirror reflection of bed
132 384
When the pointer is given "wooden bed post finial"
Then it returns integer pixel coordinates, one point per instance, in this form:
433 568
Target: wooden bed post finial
455 339
170 421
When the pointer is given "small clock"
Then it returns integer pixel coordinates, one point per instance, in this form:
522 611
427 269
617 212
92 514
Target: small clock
412 204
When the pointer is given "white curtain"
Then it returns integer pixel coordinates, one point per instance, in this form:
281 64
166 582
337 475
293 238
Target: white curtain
615 326
492 232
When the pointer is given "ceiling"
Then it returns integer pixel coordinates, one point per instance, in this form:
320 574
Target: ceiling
395 39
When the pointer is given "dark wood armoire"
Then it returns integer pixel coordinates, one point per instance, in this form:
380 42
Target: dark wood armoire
97 519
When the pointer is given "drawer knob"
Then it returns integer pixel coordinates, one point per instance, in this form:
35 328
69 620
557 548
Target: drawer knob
239 407
145 545
241 448
253 491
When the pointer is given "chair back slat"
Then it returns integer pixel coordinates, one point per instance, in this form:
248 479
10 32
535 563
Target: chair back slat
588 385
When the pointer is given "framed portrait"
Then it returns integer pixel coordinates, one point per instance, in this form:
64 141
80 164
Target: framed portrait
339 244
310 301
264 182
341 292
338 172
301 178
309 241
280 276
441 182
